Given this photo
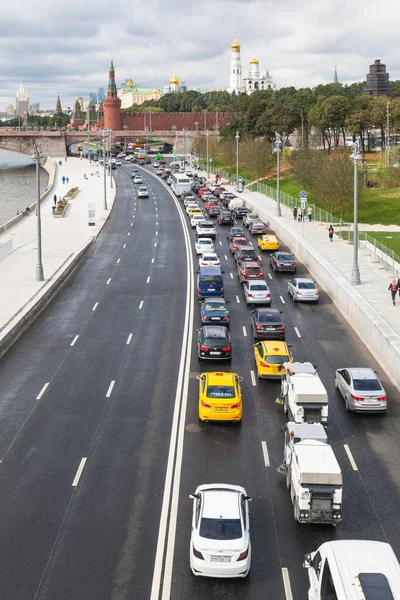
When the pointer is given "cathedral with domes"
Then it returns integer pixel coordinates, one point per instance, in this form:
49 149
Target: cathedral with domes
255 79
175 86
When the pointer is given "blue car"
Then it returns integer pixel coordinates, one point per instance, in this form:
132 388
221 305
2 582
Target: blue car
215 311
209 282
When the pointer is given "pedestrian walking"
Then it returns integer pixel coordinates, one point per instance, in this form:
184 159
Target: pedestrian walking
55 199
295 213
393 287
63 179
331 231
67 179
65 160
84 176
309 213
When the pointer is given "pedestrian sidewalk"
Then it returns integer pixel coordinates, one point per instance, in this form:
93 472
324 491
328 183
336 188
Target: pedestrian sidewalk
63 240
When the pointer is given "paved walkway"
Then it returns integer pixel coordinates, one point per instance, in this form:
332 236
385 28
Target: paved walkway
62 239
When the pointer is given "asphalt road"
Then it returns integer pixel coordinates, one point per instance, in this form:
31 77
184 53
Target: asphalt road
112 399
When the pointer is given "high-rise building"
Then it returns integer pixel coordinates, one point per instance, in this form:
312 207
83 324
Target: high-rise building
34 108
10 110
112 104
100 95
378 83
21 101
93 97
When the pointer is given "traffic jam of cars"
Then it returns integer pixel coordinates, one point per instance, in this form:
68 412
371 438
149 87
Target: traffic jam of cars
220 543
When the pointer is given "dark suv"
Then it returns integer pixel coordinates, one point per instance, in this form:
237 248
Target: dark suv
214 343
225 217
246 254
267 324
283 261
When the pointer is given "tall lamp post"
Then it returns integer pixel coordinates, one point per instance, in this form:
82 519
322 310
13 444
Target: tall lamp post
109 140
278 144
237 136
355 273
104 135
37 157
208 169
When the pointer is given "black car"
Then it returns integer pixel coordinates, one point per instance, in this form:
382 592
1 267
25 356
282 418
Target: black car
225 217
235 232
240 212
267 324
283 261
148 161
213 211
226 198
214 343
215 311
246 254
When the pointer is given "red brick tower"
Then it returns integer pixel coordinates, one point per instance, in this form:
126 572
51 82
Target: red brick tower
58 110
112 104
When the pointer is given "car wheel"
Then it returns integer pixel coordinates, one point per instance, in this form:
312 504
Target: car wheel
287 479
346 403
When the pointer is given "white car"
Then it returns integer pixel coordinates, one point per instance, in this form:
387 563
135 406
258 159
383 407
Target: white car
196 219
204 245
137 179
209 259
189 199
191 205
143 192
207 229
128 157
121 155
220 540
118 163
256 292
303 289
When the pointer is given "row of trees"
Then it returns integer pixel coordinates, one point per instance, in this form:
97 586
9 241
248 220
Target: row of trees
39 122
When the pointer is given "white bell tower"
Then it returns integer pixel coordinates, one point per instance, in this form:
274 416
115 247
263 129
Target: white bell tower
236 81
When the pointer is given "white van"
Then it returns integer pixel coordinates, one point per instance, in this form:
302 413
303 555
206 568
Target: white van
353 570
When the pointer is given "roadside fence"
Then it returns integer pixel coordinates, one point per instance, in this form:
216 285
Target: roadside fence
17 242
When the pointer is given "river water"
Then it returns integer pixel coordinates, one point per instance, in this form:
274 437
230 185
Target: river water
18 183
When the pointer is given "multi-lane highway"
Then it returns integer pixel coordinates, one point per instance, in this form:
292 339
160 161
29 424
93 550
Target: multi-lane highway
100 442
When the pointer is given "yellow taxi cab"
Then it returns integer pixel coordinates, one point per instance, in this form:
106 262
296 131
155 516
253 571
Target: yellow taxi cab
268 242
220 398
196 210
270 356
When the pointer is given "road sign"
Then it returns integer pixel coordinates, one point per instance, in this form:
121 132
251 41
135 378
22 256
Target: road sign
303 203
210 160
303 194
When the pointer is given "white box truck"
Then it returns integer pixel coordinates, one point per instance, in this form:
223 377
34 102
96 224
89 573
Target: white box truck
305 399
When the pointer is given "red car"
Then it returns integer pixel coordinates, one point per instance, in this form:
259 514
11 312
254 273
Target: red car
202 191
249 270
211 203
218 191
236 242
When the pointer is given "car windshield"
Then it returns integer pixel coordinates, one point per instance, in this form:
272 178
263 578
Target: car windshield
240 242
204 243
258 287
276 360
210 257
207 225
215 342
284 257
211 279
214 306
306 285
253 217
367 385
220 391
221 529
268 318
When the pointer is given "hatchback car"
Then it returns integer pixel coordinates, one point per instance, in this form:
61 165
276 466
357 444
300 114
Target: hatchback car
137 179
206 228
257 227
237 242
246 253
203 245
215 311
249 218
256 292
267 324
248 270
235 232
268 242
283 261
214 343
220 397
361 389
220 538
209 259
225 218
303 289
213 211
240 212
270 356
143 192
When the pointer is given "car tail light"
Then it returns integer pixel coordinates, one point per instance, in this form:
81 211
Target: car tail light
382 398
222 289
226 348
199 289
250 295
295 264
358 398
226 318
264 364
259 326
317 293
205 405
203 348
268 295
244 555
281 327
237 405
278 264
197 553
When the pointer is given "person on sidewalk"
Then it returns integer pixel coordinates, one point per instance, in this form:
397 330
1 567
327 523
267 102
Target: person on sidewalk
309 213
63 179
67 180
295 213
331 231
55 199
393 290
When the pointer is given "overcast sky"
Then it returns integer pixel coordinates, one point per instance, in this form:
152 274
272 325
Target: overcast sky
66 46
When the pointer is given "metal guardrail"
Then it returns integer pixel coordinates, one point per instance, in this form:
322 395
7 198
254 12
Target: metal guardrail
379 253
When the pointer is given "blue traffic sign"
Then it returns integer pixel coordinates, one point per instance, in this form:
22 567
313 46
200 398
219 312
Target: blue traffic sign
303 194
210 160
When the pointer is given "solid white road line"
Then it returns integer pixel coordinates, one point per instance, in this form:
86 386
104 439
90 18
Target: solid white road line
128 341
141 305
286 584
231 274
297 332
269 275
124 246
238 299
152 260
282 300
118 261
42 391
110 389
265 453
148 279
253 378
108 281
244 331
74 340
79 472
350 457
95 306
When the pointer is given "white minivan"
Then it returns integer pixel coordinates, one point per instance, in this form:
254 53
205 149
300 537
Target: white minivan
353 570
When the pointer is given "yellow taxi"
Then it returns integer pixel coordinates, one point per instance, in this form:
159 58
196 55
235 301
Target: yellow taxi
270 356
268 242
220 398
196 210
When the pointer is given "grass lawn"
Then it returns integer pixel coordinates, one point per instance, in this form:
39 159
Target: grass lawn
391 239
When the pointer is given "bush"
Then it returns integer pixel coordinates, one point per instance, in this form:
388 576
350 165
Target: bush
71 192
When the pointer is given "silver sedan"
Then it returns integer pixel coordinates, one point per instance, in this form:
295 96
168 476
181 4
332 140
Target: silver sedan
361 389
256 292
303 289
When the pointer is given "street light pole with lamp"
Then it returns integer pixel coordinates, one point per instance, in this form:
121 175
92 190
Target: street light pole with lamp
237 136
278 144
208 170
39 266
104 135
355 273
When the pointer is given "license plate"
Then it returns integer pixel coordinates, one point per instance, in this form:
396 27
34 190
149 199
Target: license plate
210 289
220 559
215 353
214 318
370 401
220 408
270 328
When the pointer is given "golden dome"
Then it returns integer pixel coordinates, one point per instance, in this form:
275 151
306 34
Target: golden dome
154 91
254 61
174 80
129 82
235 46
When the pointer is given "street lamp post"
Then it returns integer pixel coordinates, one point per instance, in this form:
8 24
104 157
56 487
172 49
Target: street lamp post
355 273
104 134
39 266
109 158
125 128
237 136
278 192
208 170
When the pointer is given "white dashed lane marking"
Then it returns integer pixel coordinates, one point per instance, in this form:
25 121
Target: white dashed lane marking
265 454
238 299
74 340
108 281
95 306
79 472
42 391
141 305
350 457
110 388
282 300
148 280
231 274
253 378
297 332
124 246
269 275
152 260
286 584
244 331
128 341
118 261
